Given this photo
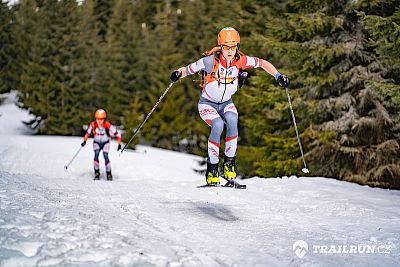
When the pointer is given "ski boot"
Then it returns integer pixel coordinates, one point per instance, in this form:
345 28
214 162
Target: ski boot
212 175
96 174
229 168
109 176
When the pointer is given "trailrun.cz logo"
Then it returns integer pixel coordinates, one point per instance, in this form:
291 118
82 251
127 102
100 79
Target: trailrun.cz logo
300 248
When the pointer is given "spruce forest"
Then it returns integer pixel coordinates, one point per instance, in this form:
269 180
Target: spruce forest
67 58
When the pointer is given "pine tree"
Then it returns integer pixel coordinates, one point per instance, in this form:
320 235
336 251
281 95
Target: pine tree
102 12
51 83
326 52
117 80
139 83
89 60
162 130
29 32
8 51
67 60
384 27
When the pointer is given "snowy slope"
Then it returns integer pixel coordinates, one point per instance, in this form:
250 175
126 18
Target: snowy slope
153 214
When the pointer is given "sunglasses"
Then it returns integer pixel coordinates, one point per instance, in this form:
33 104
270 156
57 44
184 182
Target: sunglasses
227 47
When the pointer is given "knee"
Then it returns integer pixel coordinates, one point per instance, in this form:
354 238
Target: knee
231 119
105 154
217 126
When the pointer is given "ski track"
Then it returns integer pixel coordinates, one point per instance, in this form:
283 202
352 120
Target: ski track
51 222
153 214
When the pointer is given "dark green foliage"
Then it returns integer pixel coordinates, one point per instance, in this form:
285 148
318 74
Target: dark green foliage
9 71
51 82
348 89
102 12
68 59
116 80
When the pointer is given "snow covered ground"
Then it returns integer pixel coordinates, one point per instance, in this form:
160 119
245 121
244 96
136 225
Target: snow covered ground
153 214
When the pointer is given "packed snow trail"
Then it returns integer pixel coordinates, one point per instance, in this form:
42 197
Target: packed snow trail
153 214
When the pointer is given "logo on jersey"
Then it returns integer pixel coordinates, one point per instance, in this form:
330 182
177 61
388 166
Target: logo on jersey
214 152
207 111
222 72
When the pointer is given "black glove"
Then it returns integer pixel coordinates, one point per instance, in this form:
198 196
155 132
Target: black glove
119 147
242 78
83 143
175 76
283 80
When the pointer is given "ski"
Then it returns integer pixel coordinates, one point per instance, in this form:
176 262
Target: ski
233 183
229 184
211 186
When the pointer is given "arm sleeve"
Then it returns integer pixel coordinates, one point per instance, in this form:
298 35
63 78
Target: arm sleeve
205 63
251 62
114 132
88 131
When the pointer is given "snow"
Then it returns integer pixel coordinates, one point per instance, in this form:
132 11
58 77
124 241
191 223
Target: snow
11 117
153 214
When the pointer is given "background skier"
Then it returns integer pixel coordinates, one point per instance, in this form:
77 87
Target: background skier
102 132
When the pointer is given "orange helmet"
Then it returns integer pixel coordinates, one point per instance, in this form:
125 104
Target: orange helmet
228 36
100 114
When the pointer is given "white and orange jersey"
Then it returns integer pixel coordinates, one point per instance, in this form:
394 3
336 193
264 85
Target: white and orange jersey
102 134
223 81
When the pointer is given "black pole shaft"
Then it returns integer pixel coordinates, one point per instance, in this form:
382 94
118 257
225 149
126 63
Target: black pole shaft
76 154
295 127
147 117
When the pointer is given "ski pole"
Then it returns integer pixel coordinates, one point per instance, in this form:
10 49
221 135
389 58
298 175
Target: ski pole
305 170
76 154
147 117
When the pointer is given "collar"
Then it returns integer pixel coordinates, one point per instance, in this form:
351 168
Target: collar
223 62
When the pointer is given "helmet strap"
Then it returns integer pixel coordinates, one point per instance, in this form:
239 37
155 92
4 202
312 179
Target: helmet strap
218 54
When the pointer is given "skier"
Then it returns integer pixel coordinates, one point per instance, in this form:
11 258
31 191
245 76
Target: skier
102 131
223 73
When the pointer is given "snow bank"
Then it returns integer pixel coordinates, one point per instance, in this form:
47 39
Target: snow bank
153 214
